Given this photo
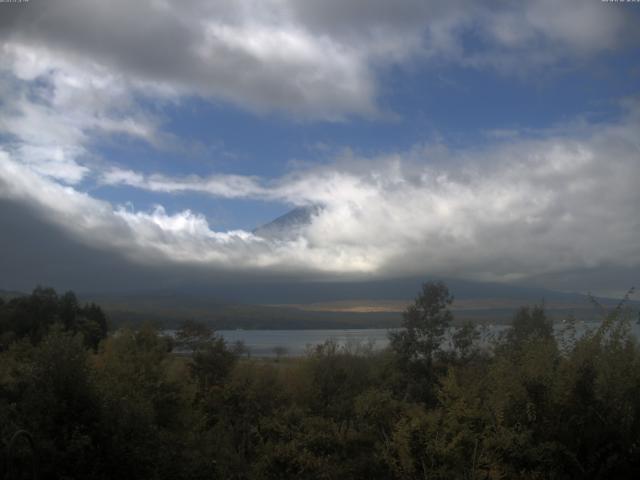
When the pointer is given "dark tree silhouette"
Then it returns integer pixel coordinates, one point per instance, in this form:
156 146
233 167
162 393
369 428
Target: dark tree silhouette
417 343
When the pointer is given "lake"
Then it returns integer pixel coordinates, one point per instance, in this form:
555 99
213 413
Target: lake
263 343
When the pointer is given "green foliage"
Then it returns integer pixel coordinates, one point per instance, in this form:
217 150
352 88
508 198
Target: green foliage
529 323
143 407
34 315
424 324
192 334
465 341
54 397
532 405
419 341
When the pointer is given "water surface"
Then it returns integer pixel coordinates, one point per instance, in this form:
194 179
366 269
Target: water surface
265 343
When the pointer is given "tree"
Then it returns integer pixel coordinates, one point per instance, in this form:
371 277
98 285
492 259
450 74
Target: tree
211 359
144 408
417 343
529 323
60 407
240 348
193 334
32 316
92 323
280 352
211 363
68 310
424 324
464 340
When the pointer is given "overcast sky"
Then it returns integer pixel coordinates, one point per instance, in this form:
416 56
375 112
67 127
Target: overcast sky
492 141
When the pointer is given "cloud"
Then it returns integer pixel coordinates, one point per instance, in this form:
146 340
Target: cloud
72 72
313 59
251 56
53 109
515 210
156 237
225 186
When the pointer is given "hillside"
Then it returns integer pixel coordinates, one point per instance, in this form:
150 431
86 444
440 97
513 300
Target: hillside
481 303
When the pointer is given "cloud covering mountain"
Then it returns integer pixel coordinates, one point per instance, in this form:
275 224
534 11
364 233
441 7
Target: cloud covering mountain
537 204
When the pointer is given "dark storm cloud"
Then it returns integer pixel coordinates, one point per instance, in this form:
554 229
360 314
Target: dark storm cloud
36 251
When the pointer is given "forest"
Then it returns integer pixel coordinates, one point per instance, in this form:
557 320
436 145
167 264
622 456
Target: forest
81 401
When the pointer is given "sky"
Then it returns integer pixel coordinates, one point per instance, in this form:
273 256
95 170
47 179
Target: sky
483 140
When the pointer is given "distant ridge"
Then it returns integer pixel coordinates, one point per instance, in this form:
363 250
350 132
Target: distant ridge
304 305
9 294
269 292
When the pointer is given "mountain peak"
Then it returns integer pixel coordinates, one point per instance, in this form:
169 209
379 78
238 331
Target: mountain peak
288 225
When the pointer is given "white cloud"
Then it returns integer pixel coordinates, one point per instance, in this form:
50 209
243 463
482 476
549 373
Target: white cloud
157 237
314 59
53 109
54 161
518 209
72 71
226 186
